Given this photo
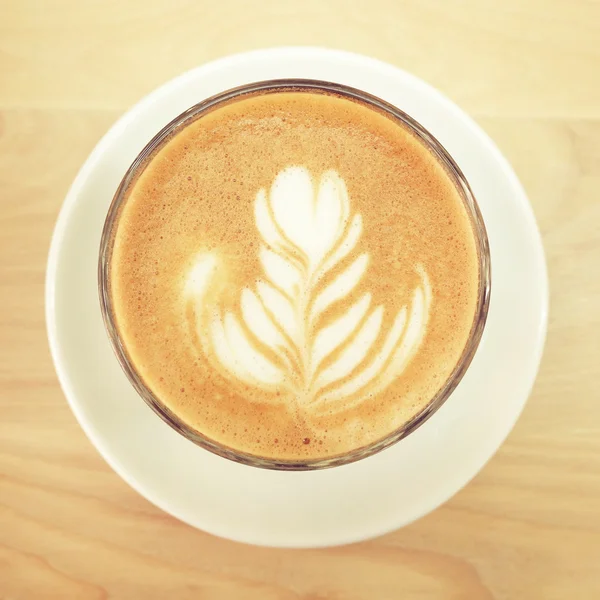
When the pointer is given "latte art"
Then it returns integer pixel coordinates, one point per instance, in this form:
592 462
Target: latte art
303 330
293 275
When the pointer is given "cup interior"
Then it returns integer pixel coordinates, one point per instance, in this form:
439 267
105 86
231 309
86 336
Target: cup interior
213 103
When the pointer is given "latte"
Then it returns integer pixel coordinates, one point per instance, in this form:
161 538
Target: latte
294 275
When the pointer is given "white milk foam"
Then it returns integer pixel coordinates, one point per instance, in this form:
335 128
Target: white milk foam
287 334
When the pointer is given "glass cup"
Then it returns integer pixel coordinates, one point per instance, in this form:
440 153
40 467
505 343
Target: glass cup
274 86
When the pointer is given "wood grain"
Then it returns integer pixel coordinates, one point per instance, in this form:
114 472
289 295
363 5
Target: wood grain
528 526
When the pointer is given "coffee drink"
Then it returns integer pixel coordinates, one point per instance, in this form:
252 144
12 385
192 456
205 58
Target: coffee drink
294 274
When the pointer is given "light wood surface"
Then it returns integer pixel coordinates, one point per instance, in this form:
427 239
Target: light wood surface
528 526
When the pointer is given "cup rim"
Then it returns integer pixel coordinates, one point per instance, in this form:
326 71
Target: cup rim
273 86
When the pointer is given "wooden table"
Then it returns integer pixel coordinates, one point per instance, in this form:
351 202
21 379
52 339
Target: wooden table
528 526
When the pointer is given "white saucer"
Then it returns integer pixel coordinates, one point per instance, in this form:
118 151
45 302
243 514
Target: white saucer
317 508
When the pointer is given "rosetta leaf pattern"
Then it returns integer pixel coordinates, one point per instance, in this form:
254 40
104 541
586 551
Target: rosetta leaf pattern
284 335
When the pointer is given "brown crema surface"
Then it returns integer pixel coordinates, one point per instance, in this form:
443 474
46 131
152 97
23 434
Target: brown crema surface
196 197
